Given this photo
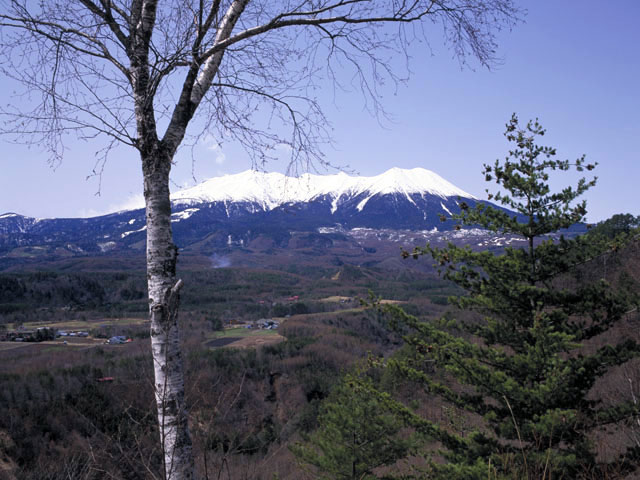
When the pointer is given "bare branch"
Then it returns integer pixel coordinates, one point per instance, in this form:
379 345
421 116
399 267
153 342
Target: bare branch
106 15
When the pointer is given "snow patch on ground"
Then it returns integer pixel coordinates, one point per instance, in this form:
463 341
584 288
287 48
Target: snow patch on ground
106 246
334 205
126 234
327 230
184 214
363 203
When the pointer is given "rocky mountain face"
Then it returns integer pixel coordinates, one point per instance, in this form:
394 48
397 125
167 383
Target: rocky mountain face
255 213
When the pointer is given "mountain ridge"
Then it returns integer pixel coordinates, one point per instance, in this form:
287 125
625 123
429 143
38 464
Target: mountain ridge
265 215
274 189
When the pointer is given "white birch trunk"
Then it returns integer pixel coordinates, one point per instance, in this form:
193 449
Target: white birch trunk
164 301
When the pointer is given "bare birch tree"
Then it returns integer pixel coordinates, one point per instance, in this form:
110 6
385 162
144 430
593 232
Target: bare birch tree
136 72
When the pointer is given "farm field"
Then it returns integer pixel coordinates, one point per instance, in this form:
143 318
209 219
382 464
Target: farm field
75 324
242 337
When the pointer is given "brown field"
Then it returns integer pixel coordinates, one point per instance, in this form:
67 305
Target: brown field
240 337
257 341
339 298
6 346
249 341
335 299
85 324
76 341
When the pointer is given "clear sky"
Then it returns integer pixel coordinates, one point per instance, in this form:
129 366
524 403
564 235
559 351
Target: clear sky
574 64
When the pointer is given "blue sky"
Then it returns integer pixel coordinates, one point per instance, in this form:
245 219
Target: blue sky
574 65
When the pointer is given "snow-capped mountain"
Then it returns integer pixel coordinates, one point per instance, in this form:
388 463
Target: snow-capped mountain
253 209
272 190
255 201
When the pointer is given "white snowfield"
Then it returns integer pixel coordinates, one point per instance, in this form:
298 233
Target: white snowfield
271 190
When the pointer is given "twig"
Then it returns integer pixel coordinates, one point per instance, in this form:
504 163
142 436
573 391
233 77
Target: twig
515 424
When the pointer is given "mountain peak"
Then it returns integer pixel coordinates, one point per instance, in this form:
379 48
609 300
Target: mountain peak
271 190
415 180
236 210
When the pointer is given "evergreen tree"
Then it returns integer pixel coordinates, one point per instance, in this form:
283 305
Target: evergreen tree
621 224
357 433
528 360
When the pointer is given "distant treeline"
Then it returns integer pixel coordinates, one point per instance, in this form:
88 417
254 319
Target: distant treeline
230 293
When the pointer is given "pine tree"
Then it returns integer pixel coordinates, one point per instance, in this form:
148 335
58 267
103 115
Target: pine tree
621 224
357 433
527 362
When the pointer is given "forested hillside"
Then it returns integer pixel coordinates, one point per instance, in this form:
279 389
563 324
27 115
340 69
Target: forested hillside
249 405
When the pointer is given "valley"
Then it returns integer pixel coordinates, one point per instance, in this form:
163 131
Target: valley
252 391
285 306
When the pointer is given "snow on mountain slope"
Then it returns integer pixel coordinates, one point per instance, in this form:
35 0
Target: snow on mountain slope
271 190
